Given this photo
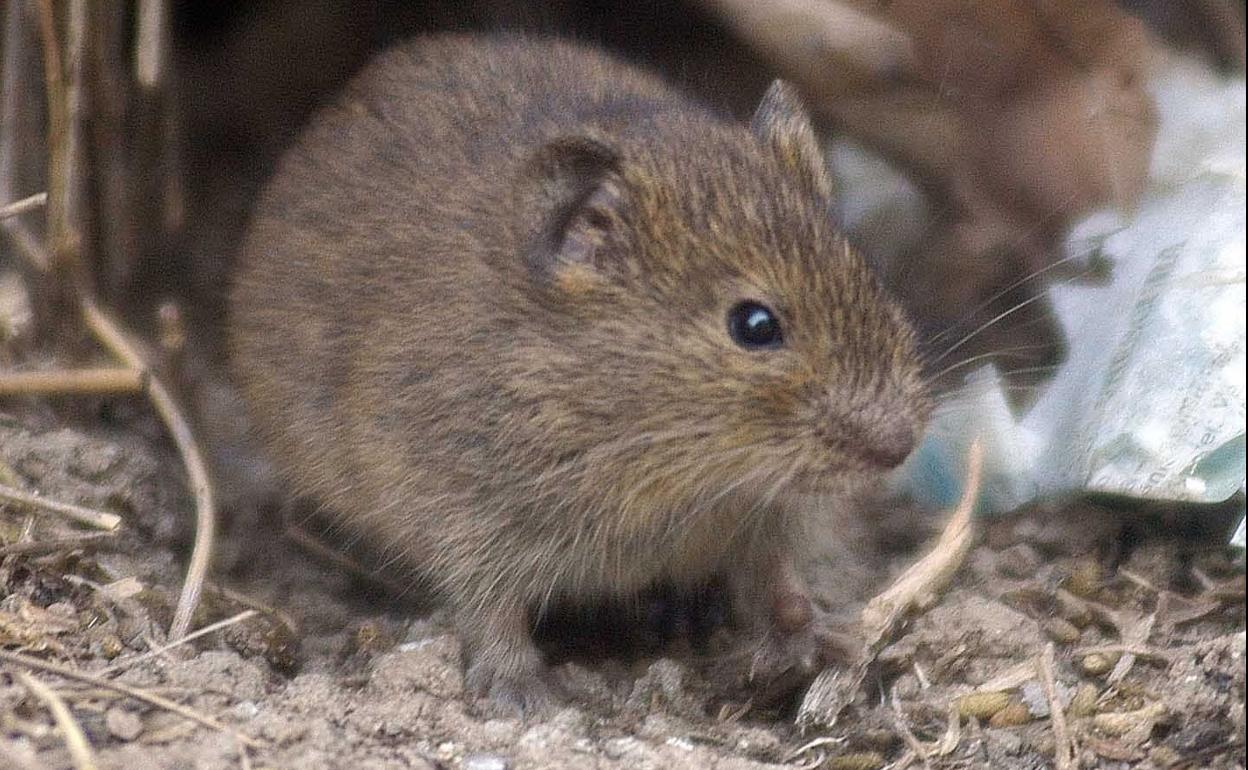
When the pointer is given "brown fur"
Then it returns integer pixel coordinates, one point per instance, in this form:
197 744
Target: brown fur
481 313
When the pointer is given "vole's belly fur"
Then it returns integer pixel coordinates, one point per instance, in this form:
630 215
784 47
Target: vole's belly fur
451 357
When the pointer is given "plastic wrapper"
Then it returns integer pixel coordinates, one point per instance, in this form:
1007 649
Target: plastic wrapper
1149 403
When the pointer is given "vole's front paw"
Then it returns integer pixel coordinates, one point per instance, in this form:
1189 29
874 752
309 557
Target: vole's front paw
782 657
796 647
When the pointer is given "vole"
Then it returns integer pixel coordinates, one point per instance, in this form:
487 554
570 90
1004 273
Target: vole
541 327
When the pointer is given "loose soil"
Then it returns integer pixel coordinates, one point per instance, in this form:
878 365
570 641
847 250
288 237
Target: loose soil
336 671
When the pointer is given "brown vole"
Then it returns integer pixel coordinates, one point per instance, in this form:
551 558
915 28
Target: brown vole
542 328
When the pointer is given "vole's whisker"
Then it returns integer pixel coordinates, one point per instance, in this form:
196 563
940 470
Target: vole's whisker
993 321
1011 287
1010 352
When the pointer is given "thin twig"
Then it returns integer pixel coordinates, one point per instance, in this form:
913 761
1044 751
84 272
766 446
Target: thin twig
250 602
1063 752
75 741
98 519
125 663
29 203
54 82
244 759
73 382
1139 651
154 700
39 547
916 589
918 586
911 740
1134 634
120 345
150 53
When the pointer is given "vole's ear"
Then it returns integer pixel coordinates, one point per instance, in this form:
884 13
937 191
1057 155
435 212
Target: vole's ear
575 189
782 124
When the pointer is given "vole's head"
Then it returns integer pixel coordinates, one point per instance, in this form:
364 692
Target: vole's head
699 322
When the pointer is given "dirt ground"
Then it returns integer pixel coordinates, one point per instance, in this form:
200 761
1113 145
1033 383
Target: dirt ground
331 671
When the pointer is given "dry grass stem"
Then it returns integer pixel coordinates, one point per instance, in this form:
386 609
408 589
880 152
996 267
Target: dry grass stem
120 345
29 203
121 665
1011 679
1063 752
72 382
319 550
920 585
75 741
134 692
915 746
153 40
244 600
1135 632
66 173
916 589
1138 651
809 746
60 545
98 519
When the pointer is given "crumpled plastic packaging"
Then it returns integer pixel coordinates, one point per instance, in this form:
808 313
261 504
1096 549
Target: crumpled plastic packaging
1150 401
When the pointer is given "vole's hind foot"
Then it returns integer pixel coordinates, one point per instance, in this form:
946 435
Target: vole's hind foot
503 665
525 694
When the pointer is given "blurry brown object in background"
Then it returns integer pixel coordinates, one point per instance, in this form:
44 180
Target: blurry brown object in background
1013 116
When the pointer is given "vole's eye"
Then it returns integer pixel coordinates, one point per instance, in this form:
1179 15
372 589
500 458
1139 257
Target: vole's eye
754 325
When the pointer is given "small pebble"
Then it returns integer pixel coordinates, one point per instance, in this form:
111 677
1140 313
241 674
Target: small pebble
1036 699
500 732
485 762
122 724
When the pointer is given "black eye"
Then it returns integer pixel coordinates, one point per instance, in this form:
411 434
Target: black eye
754 325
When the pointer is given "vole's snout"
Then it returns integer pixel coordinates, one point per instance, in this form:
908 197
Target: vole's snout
889 443
876 437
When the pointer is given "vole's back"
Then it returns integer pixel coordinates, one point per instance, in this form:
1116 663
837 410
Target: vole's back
374 240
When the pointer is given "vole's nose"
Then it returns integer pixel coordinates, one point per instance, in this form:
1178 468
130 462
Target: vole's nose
889 442
876 436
